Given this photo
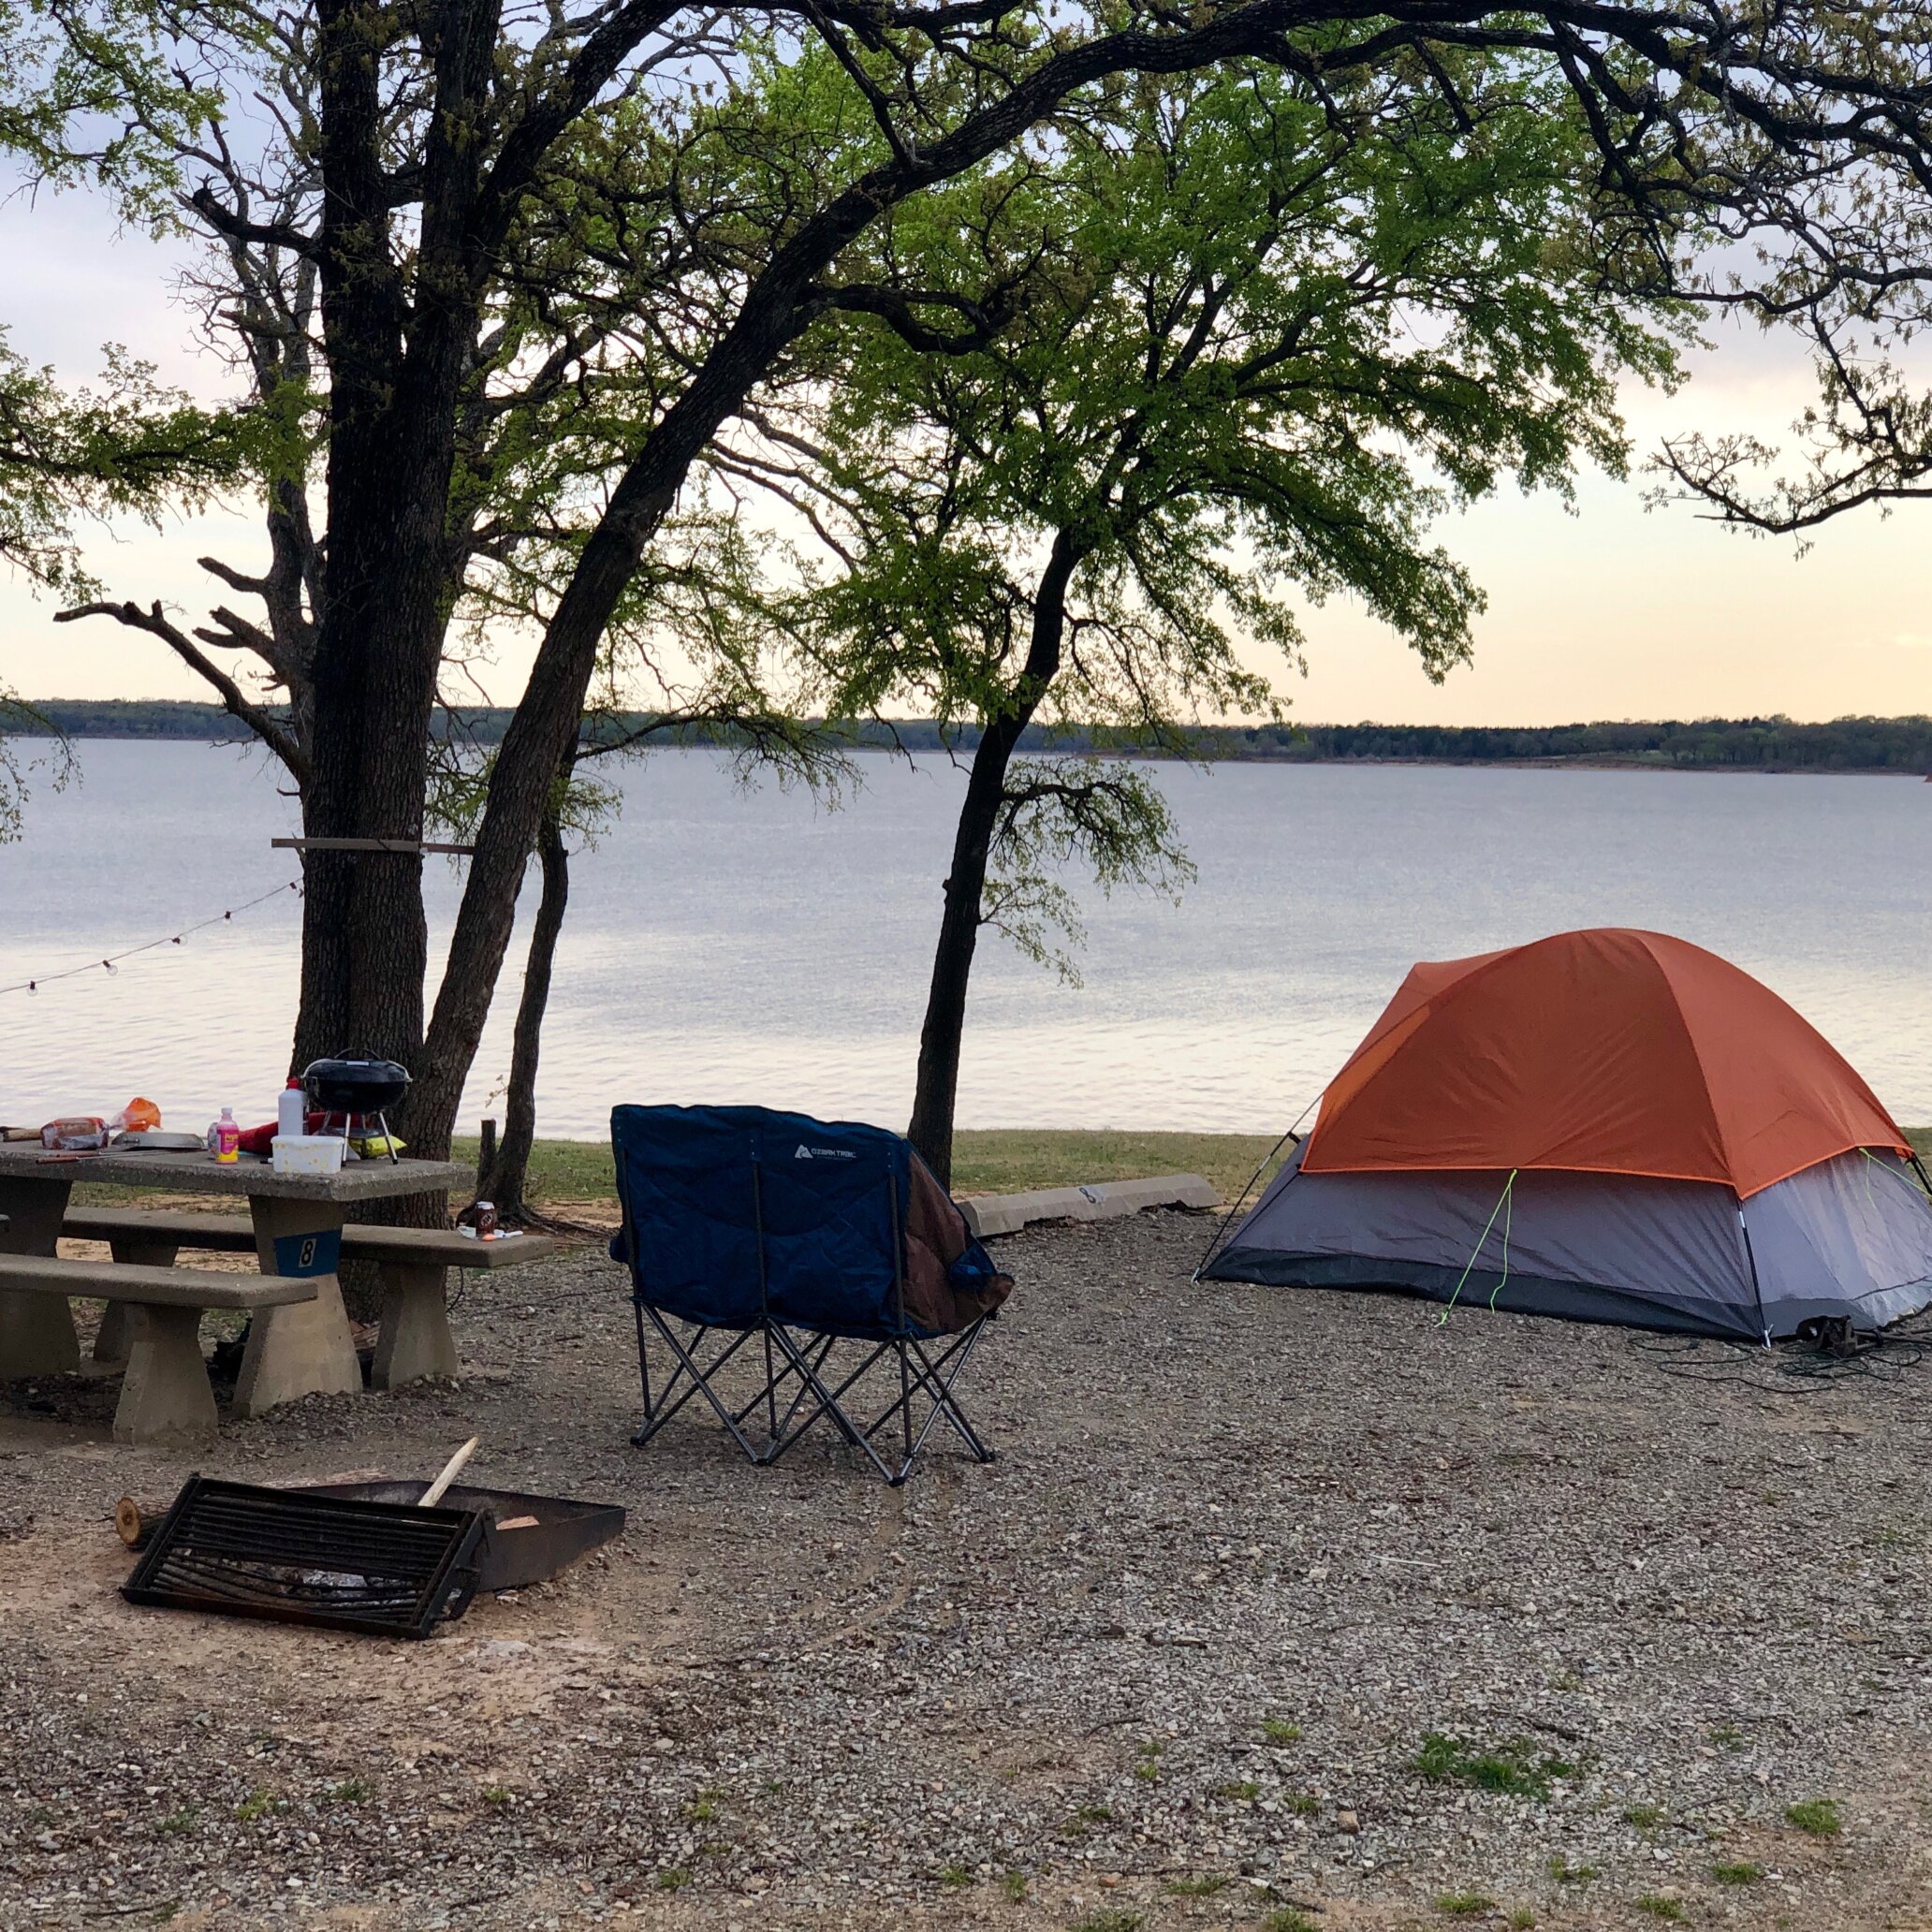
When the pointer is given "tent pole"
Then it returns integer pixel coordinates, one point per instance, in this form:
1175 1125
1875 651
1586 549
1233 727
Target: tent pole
1751 1259
1222 1225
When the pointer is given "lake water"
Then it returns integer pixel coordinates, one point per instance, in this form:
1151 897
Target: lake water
747 946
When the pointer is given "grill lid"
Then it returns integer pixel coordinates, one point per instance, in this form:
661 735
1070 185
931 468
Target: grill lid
350 1085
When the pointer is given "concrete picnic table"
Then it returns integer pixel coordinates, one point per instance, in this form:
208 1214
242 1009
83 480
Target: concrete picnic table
299 1349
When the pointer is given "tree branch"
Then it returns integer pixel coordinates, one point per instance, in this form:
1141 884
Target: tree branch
897 308
235 579
235 702
235 227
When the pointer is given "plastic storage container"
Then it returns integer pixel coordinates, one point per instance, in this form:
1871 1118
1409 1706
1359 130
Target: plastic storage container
307 1154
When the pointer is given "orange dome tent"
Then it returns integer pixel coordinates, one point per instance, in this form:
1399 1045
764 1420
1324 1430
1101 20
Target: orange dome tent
1611 1124
1609 1051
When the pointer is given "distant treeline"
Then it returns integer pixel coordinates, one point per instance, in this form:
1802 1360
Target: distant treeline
1750 745
1700 744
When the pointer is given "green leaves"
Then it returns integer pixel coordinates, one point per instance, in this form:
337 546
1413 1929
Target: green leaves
129 444
1094 426
57 761
101 92
1259 341
1059 812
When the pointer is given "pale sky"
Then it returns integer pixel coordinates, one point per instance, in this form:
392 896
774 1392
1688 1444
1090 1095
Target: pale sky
1611 611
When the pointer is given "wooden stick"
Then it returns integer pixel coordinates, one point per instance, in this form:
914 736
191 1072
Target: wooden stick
406 847
434 1494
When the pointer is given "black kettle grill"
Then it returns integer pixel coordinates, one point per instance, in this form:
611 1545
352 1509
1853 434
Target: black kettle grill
358 1090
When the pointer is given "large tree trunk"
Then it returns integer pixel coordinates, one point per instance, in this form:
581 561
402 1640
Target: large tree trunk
395 377
506 1179
936 1096
378 648
396 373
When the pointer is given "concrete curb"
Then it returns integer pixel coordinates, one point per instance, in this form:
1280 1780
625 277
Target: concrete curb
1105 1200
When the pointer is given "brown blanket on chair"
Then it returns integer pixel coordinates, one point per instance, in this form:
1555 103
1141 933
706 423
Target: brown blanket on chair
936 1237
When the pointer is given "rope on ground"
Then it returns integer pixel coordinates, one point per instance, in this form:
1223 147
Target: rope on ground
496 1292
1793 1368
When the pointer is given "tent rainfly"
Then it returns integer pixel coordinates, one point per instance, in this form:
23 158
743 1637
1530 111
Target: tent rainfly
1611 1125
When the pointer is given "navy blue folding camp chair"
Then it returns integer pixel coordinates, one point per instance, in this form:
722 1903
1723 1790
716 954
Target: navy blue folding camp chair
771 1241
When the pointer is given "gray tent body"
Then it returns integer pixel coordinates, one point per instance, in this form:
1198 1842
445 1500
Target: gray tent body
1851 1237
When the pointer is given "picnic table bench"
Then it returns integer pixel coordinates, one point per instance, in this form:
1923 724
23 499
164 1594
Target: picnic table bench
413 1339
299 1338
165 1394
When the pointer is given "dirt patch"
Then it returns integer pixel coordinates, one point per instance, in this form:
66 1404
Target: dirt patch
1178 1656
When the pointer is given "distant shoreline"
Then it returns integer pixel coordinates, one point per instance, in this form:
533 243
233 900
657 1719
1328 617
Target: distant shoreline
1779 747
1608 763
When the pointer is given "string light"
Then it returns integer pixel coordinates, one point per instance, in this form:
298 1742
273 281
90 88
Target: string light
112 962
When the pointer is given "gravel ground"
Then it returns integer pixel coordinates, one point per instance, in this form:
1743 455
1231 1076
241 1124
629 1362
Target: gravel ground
1177 1659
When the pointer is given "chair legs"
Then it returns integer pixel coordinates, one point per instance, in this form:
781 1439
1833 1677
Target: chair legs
690 1376
798 1389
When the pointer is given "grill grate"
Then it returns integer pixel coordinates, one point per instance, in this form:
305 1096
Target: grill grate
299 1557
